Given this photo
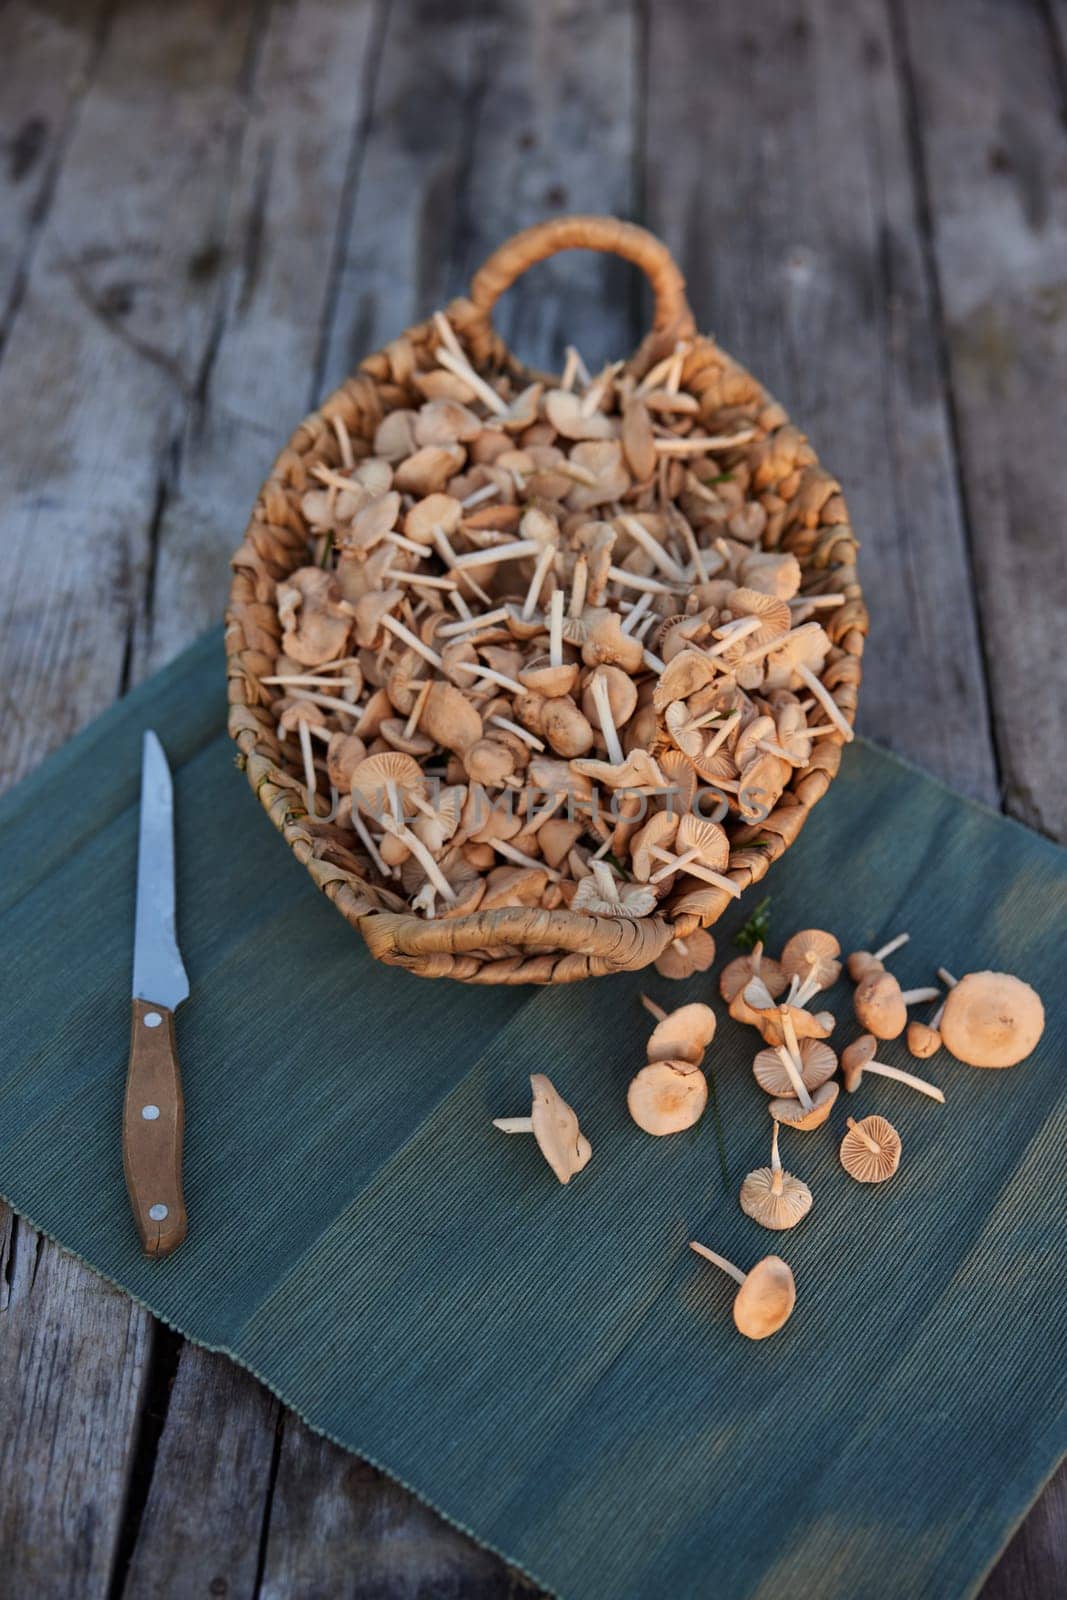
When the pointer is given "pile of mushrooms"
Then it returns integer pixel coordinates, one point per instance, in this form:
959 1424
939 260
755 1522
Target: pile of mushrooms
533 622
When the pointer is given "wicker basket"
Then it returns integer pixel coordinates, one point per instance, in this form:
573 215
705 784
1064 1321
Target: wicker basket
806 516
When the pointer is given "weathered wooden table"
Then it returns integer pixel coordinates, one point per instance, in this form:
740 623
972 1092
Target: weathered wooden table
208 212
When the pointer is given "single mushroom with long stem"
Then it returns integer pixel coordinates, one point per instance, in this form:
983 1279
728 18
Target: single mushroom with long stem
857 1059
667 1096
765 1299
683 1034
870 1150
881 1005
555 1127
773 1197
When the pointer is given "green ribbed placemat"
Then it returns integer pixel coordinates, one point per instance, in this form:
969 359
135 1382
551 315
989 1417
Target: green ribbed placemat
550 1367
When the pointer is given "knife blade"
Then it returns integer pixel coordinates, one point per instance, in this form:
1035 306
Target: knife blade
154 1115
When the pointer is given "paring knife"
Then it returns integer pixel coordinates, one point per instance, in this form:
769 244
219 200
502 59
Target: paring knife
154 1118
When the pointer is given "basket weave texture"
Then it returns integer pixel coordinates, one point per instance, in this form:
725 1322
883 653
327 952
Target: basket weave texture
806 516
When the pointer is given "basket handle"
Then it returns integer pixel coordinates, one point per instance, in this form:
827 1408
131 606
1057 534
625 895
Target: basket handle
672 313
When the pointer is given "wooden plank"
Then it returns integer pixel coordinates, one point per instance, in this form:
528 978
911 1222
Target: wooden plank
210 1481
337 1527
73 1361
777 167
988 90
486 120
277 272
105 355
54 50
1034 1566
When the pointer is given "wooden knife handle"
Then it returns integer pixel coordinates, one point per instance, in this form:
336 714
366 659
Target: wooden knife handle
152 1131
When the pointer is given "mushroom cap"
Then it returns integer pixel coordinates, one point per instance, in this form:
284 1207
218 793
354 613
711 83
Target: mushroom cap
555 1127
854 1057
922 1040
449 719
864 1164
736 973
992 1019
637 771
541 677
879 1004
765 1301
683 957
817 1061
793 1113
700 833
860 962
779 1209
370 778
667 1096
660 829
812 953
683 1034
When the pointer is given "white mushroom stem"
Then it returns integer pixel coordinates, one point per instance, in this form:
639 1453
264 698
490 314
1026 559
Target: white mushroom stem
576 365
579 585
309 764
412 639
653 378
697 447
633 617
602 701
826 700
864 1137
424 858
330 701
596 390
946 977
653 1009
509 851
792 1061
410 545
514 1124
555 628
486 619
369 845
696 555
308 680
443 545
891 944
540 573
418 579
776 1163
631 580
416 711
478 671
719 1261
515 550
732 632
653 549
653 663
488 491
674 863
463 369
818 602
882 1070
520 733
721 736
912 997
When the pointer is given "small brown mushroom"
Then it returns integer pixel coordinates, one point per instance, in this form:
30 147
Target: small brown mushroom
683 957
810 961
860 962
793 1112
315 622
766 1297
683 1034
773 1197
667 1096
554 1126
881 1005
870 1150
858 1059
992 1019
602 895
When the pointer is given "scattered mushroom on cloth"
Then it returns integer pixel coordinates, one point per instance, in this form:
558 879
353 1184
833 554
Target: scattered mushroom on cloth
532 623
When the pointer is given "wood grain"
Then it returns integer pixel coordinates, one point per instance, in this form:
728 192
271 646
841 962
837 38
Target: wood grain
798 229
208 213
152 1145
989 103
